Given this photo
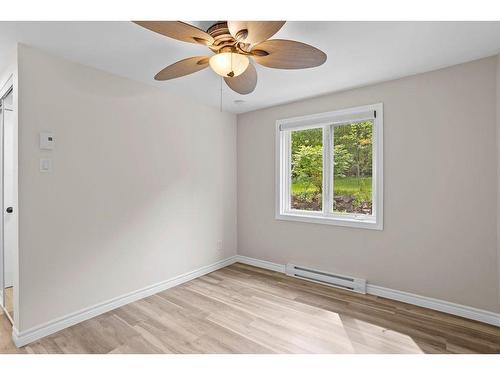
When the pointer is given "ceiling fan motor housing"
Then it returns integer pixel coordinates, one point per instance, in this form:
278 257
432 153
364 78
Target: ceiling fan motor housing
223 40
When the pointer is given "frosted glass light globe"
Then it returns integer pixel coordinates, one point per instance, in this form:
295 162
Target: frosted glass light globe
229 64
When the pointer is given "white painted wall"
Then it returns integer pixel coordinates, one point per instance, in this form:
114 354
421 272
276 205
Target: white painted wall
440 176
143 186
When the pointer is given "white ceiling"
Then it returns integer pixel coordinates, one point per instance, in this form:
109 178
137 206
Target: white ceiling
359 53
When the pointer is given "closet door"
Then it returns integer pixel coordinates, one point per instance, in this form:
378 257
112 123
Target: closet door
9 209
2 296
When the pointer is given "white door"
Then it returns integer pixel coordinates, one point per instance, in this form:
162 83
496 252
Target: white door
8 191
1 207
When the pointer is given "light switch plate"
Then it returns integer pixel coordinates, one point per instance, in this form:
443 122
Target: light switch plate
45 165
47 141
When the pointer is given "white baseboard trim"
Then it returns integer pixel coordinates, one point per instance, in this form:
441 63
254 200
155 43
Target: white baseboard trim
468 312
25 337
436 304
261 263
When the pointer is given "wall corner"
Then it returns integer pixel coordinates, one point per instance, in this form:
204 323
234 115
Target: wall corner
497 103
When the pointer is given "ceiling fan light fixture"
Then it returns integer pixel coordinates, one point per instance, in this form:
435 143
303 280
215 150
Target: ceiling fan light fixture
233 43
229 64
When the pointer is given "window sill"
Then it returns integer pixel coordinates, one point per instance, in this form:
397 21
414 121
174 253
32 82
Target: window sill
331 220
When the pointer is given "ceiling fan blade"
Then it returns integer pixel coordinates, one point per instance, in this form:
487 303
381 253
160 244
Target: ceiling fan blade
178 30
287 54
244 83
182 68
253 31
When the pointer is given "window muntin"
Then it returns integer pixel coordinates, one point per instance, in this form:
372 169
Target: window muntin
349 145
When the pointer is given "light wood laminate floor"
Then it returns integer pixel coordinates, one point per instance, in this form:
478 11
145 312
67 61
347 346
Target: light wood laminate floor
9 300
243 309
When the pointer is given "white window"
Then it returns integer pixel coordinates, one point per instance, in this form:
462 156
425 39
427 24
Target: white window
329 168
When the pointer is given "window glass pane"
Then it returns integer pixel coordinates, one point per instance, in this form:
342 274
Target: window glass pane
307 169
352 180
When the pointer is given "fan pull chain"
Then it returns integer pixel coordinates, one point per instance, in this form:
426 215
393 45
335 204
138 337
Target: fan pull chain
221 93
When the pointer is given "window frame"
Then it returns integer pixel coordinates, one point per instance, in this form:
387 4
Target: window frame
327 121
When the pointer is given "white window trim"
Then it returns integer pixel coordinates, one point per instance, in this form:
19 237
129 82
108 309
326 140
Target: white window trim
325 120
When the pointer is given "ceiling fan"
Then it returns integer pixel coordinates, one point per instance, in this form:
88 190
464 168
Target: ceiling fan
235 44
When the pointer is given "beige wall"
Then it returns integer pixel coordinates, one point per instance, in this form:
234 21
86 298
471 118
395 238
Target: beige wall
440 185
142 188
